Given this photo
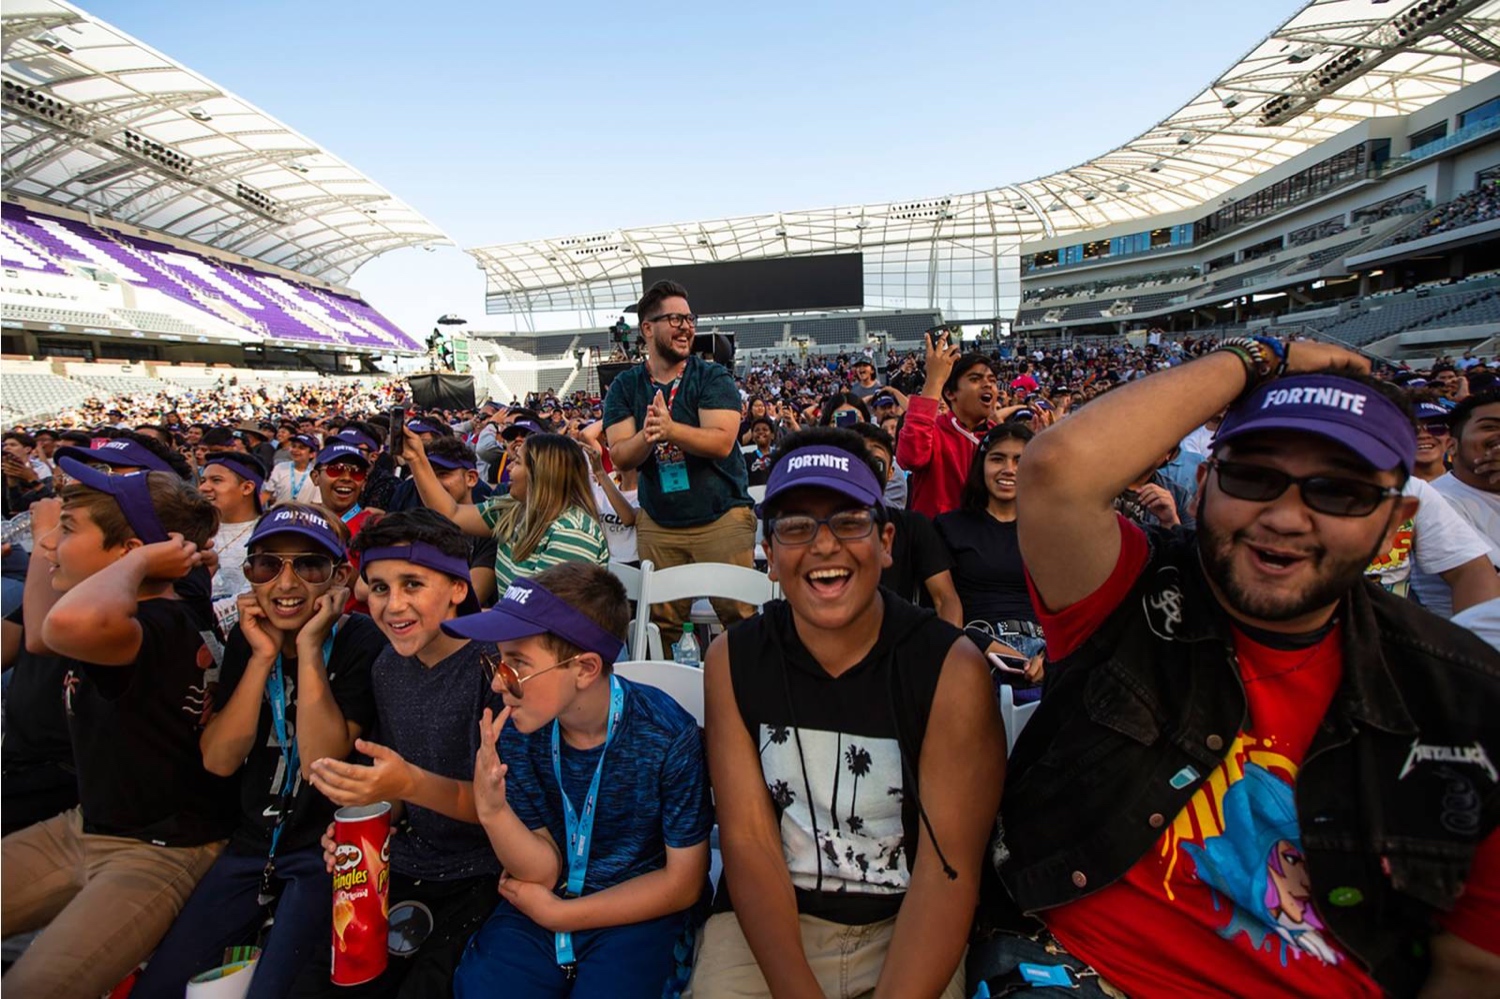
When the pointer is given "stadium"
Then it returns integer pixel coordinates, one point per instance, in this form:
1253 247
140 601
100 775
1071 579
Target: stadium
1336 181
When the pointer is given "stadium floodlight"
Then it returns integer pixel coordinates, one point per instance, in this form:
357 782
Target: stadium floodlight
197 113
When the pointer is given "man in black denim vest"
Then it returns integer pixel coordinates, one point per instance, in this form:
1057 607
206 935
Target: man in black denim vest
1252 772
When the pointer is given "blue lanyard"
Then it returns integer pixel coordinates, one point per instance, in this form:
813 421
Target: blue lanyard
351 513
581 826
276 694
297 483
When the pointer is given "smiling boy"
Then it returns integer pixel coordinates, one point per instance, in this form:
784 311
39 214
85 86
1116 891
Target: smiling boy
609 769
856 755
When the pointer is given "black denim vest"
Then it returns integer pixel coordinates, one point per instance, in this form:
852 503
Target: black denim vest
1395 793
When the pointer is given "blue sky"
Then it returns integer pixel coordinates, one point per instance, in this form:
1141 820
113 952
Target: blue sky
504 121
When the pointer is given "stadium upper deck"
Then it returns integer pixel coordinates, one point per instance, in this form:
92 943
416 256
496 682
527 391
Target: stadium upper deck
1333 64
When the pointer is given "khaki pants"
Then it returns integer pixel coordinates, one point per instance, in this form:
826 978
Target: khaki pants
846 960
729 539
105 901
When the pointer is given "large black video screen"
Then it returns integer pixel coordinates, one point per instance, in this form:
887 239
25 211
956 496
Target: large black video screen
785 284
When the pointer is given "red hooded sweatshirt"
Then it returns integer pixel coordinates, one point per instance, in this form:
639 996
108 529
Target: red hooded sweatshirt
936 450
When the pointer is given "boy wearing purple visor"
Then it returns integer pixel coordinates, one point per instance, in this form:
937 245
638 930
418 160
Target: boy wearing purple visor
856 755
1244 748
295 687
107 878
599 812
431 690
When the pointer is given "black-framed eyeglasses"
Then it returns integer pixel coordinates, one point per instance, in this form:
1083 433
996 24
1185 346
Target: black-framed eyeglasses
1337 497
799 529
310 567
676 320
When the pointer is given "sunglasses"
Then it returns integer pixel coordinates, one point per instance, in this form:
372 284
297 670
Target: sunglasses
339 470
1324 493
495 666
1435 428
310 567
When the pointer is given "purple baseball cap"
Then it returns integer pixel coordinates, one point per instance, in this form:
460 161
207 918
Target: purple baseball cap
356 436
306 440
307 523
521 428
824 468
528 608
341 451
131 491
119 453
1431 412
1337 409
422 425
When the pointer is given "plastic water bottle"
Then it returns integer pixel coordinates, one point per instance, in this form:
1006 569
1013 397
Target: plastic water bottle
686 649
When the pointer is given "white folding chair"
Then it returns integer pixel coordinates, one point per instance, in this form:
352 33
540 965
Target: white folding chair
630 577
683 683
1015 716
682 582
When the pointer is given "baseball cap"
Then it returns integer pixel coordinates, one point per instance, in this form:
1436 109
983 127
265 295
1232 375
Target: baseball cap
131 491
342 451
528 608
306 440
424 426
1346 412
884 399
119 453
823 467
1431 412
355 436
441 461
307 523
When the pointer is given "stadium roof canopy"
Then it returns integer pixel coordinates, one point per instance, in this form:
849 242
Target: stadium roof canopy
1334 63
97 121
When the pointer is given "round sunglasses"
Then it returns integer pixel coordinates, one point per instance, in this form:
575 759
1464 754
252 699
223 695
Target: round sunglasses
310 567
495 666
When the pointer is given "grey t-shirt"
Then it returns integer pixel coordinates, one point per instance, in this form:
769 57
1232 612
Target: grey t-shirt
430 716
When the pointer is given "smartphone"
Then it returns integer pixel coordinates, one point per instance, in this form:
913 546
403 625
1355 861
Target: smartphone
1008 664
846 418
398 430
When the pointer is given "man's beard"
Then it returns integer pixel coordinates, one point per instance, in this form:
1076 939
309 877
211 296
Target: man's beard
668 352
1333 577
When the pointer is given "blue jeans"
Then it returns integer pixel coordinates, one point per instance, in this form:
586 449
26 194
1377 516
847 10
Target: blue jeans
512 955
223 912
1028 646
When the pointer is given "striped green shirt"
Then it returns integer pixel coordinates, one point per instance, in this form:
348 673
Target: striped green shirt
573 537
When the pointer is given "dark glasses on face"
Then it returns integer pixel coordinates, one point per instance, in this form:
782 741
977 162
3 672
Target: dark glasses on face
1435 428
310 567
339 470
1326 494
494 666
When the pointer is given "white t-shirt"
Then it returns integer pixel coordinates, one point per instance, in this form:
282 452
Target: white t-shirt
287 485
1479 508
1435 540
231 542
1198 441
620 535
1483 620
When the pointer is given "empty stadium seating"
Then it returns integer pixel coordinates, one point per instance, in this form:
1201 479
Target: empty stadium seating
258 302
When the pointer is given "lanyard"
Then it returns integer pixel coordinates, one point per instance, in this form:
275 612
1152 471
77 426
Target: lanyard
968 435
276 695
351 513
580 826
297 483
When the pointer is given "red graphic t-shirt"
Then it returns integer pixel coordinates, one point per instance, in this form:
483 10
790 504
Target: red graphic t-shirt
1222 903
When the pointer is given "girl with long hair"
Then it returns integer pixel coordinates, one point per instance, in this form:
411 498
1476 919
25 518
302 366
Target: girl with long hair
548 518
987 569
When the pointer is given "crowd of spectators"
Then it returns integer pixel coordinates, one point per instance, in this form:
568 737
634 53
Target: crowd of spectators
1469 208
1203 561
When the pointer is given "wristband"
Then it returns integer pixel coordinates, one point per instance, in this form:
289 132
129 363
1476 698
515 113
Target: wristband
1262 363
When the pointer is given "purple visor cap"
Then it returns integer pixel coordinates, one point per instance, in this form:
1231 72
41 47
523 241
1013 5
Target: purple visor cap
527 608
356 437
438 461
131 491
824 468
342 452
521 428
306 523
119 453
1352 415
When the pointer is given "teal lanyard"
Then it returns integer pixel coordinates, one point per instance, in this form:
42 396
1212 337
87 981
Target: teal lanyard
351 513
580 826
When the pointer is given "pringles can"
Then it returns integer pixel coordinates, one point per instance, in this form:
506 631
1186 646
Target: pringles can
361 892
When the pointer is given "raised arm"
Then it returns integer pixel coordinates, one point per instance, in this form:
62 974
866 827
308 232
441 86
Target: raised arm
1071 474
914 446
764 901
434 496
961 772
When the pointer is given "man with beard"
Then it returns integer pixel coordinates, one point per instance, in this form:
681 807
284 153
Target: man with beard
1252 772
676 418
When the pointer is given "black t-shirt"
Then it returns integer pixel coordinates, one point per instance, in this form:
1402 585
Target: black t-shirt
430 716
987 569
758 466
851 743
917 554
135 733
36 727
262 778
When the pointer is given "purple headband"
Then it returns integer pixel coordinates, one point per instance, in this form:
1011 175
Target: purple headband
131 492
418 553
528 608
